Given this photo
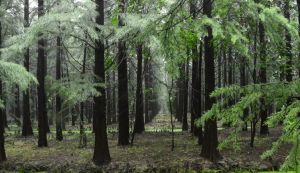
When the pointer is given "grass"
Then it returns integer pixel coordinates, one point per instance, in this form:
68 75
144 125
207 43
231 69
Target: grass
151 152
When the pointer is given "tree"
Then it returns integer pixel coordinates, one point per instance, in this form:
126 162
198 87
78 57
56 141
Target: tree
210 138
123 86
288 41
17 106
298 7
263 77
2 149
101 150
59 135
185 94
26 128
83 138
139 125
41 73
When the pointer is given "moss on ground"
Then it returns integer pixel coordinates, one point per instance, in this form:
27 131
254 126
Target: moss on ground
151 152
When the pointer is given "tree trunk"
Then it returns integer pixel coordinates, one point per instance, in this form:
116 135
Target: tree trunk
185 94
196 93
123 87
139 125
224 67
108 98
83 138
101 150
2 148
41 73
263 78
114 105
27 128
147 89
288 40
59 135
242 84
210 140
17 106
298 7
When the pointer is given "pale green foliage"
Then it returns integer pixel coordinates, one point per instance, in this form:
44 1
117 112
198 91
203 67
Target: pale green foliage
249 98
15 74
74 90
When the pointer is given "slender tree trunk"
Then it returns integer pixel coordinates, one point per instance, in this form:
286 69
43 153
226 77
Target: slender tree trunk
242 84
101 150
27 128
2 148
298 7
83 138
123 87
210 140
114 105
288 40
59 135
199 93
147 89
185 89
224 67
41 73
263 79
196 88
180 93
17 106
108 98
139 125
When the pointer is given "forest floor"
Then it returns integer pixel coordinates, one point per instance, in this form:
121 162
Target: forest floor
151 152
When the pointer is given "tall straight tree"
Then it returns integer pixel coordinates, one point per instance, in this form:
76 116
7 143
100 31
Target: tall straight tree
196 88
298 7
288 41
101 150
59 135
17 106
185 94
82 142
26 128
263 77
139 125
210 139
123 86
41 73
147 87
2 149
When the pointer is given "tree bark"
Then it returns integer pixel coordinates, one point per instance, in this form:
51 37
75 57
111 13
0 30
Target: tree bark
83 138
263 78
27 127
101 150
41 73
59 135
298 7
185 94
17 106
288 40
147 89
210 140
114 102
139 125
2 148
123 138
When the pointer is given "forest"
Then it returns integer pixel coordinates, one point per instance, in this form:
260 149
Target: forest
154 86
